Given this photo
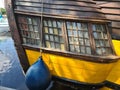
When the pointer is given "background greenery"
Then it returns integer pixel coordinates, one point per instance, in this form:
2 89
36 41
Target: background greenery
3 11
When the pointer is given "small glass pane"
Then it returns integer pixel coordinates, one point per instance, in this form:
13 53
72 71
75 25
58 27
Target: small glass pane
76 41
82 49
52 45
59 31
97 43
87 42
74 25
34 21
93 28
59 24
30 28
77 49
72 48
54 24
61 40
105 36
95 35
107 43
37 42
46 37
81 41
62 46
79 26
102 43
84 26
24 40
56 39
48 44
75 33
57 46
98 51
50 30
55 31
86 35
80 33
46 29
45 23
103 51
69 32
98 27
70 40
51 38
35 28
49 23
32 35
27 41
37 35
88 50
69 25
29 20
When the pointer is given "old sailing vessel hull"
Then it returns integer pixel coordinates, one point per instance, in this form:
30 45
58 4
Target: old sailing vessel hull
73 36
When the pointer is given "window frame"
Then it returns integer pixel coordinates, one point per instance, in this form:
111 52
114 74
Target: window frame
67 47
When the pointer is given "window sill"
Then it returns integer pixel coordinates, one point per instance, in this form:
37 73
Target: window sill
90 58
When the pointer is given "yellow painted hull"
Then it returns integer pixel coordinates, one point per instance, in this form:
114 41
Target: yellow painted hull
80 70
74 69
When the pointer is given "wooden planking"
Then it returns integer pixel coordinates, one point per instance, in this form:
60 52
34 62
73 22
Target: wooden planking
113 17
116 24
64 11
116 32
110 5
55 6
66 3
111 9
83 8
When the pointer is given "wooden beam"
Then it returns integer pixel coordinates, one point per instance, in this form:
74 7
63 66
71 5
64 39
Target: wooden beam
16 35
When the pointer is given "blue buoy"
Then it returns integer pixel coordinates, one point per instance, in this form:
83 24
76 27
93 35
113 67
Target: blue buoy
38 76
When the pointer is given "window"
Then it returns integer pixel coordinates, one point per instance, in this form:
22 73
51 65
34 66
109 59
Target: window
29 29
54 34
78 37
74 36
101 40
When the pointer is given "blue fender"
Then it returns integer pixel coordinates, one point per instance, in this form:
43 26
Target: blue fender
38 76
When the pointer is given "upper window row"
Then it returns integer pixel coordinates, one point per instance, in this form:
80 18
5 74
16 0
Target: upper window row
77 37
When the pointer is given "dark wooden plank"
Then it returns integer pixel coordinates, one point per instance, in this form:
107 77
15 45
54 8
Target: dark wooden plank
116 24
111 5
56 2
61 7
66 17
16 35
113 17
112 11
116 31
65 12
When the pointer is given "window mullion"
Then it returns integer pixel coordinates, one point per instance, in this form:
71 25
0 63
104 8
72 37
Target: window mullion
65 35
92 42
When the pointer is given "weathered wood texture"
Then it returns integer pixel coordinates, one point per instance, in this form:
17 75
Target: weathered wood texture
15 35
111 8
79 8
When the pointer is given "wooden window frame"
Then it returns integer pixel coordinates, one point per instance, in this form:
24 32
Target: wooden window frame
93 57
